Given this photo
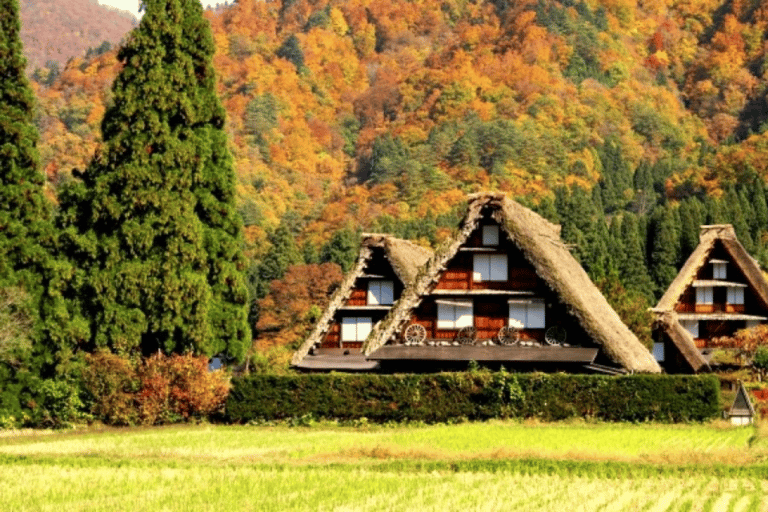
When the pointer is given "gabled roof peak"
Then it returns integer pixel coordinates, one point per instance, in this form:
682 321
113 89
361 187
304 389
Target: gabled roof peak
717 231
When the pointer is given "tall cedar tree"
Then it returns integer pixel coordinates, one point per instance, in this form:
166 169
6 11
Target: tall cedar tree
26 231
24 210
153 223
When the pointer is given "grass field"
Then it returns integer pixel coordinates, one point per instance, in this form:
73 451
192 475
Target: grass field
472 466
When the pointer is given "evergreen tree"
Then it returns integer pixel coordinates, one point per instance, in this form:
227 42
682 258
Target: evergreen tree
341 249
30 277
734 214
152 225
616 175
665 247
691 218
282 254
25 212
633 271
758 221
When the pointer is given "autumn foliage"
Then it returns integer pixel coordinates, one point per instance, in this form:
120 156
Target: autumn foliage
295 302
157 390
378 115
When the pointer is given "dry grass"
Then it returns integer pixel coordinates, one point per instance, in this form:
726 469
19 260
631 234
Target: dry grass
474 466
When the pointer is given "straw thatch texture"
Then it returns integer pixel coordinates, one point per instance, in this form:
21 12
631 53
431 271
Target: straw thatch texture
405 258
539 240
709 237
669 323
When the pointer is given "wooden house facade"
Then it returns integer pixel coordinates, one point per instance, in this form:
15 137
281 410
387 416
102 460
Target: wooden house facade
719 290
385 265
505 291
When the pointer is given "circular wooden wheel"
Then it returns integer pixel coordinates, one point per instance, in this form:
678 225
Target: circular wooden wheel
555 335
508 335
415 334
467 335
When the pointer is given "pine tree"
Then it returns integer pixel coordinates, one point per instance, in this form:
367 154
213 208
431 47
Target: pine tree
153 224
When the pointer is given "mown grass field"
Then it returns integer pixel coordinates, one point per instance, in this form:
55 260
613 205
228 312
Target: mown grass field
472 466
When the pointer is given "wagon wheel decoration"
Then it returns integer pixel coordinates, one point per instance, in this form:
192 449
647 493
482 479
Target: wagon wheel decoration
508 335
467 335
415 334
555 335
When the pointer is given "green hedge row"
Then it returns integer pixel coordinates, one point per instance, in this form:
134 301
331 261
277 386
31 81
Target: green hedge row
475 396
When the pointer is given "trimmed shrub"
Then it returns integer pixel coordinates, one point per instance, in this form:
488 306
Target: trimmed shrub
474 395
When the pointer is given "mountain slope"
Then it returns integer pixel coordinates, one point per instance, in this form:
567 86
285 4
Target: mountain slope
375 114
57 30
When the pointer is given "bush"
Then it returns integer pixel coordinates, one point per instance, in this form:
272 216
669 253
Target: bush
475 396
111 383
157 390
59 404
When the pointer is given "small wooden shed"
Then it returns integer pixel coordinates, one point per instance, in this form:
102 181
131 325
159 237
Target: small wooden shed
742 411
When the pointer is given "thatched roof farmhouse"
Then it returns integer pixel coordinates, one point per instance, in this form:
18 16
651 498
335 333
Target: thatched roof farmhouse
505 289
719 290
384 267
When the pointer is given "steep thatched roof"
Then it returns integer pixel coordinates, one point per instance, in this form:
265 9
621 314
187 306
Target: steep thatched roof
709 237
669 323
405 257
539 240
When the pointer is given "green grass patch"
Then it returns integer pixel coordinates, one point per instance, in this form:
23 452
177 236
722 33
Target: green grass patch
473 466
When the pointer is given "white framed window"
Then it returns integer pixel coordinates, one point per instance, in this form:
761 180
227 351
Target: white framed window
658 352
719 270
692 326
489 267
704 295
528 312
490 235
454 314
381 292
735 295
355 328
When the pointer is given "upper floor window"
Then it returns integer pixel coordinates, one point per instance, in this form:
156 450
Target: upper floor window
490 267
491 235
704 295
735 295
381 292
719 270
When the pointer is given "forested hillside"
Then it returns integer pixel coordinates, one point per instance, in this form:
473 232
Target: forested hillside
53 31
628 122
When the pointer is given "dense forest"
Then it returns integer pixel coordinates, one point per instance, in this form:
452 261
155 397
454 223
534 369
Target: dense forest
630 123
53 31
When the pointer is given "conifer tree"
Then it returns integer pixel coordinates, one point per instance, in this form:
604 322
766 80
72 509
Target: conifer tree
31 302
633 270
25 212
153 224
691 218
665 247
